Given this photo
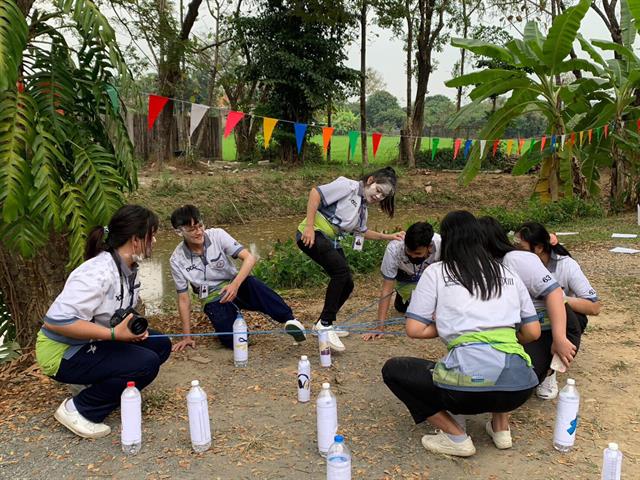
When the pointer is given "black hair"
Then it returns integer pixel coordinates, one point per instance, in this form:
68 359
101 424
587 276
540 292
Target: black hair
185 215
418 235
464 257
495 237
129 221
387 176
535 234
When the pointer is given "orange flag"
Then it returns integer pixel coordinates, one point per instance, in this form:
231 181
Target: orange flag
589 132
268 125
520 145
456 147
496 144
326 137
581 137
543 140
606 131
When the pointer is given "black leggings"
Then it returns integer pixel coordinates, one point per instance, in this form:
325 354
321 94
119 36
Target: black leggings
411 380
332 259
400 304
540 350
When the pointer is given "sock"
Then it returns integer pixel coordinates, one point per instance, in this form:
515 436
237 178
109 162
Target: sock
458 438
70 406
325 323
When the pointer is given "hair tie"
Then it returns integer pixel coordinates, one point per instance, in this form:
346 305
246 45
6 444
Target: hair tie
553 239
106 232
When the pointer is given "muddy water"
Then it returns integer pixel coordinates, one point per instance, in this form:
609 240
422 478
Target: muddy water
158 289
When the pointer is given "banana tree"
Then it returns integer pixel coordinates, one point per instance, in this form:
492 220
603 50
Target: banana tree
65 154
534 67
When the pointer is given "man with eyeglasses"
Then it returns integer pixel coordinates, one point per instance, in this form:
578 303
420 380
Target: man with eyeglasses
204 261
403 264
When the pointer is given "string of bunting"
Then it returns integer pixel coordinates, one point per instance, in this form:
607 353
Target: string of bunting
556 142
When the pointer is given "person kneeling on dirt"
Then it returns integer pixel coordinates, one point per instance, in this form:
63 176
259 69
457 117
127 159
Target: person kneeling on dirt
91 336
403 263
483 312
204 261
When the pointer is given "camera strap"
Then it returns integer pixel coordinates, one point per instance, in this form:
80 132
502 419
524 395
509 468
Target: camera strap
116 259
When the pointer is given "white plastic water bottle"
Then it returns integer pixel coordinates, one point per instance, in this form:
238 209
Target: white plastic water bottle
338 460
240 342
199 426
567 418
131 417
304 379
327 415
612 463
325 348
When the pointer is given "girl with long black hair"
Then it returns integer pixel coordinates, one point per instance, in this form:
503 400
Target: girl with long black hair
483 312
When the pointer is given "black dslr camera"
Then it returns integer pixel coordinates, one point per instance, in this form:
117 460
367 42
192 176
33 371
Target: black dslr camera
137 324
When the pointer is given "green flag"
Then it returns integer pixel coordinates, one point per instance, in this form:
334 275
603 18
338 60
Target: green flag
598 133
113 96
531 144
353 139
434 147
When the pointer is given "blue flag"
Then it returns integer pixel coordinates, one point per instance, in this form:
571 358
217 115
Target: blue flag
553 143
301 129
467 147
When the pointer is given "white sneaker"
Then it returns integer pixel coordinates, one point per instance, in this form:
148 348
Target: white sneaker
441 443
295 329
548 388
502 439
339 332
334 341
80 425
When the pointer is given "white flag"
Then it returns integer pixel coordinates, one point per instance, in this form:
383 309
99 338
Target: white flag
483 143
562 137
622 125
197 114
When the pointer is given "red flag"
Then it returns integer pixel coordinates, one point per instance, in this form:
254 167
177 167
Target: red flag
638 125
543 140
456 147
520 145
573 138
326 137
156 104
375 137
606 131
496 143
232 120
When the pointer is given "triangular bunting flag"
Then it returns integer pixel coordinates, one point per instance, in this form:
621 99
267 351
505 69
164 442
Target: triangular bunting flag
375 138
197 114
232 120
520 145
581 137
598 133
531 145
589 134
483 143
326 137
301 129
496 144
622 125
553 143
268 124
509 145
573 139
456 147
562 138
606 131
467 147
156 104
353 140
113 96
638 125
434 147
543 140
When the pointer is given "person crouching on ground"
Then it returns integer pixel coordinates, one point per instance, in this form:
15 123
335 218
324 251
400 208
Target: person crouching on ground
203 260
483 313
78 345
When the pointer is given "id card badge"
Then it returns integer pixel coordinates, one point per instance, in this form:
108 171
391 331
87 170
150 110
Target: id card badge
204 291
358 241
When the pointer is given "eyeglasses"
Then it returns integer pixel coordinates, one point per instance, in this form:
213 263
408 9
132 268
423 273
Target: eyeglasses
193 228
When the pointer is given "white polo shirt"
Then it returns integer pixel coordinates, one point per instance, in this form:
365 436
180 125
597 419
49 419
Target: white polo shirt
397 266
93 292
571 278
441 300
213 268
343 204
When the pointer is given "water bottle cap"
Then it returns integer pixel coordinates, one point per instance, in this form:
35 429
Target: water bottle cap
338 439
326 386
195 383
131 384
303 358
613 446
571 381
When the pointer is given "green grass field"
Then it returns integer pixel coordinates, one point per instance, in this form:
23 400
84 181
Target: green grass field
387 150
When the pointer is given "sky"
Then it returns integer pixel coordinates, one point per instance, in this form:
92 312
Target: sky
386 55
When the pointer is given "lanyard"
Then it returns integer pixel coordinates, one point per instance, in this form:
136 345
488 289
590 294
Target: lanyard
203 259
122 279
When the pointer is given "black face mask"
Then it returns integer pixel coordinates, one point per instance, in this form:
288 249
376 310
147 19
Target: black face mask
416 260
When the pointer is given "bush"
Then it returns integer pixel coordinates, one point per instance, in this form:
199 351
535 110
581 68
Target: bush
562 211
444 160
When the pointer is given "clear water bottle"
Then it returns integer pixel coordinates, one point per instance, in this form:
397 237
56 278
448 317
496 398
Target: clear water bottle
199 426
304 379
131 417
567 417
327 416
240 342
612 463
338 460
325 348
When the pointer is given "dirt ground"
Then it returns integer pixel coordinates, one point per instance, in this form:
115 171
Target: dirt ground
261 432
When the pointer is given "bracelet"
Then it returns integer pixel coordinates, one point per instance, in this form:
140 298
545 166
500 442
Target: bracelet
113 334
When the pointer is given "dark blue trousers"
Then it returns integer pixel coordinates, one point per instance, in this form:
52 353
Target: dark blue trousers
253 295
107 366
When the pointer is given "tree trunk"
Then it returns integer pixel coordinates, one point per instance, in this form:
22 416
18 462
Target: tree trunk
406 145
465 28
30 285
329 112
363 82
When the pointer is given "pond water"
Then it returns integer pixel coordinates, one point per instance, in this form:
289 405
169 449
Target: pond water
158 289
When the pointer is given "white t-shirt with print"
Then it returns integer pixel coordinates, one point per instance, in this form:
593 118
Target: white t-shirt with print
397 266
343 204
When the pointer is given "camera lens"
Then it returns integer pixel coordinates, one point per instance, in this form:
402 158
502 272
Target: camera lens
138 324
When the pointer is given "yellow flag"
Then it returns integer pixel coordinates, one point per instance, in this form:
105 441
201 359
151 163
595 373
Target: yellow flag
268 126
509 145
581 135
